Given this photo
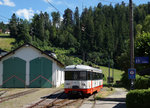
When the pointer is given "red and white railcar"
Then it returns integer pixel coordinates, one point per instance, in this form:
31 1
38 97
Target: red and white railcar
82 79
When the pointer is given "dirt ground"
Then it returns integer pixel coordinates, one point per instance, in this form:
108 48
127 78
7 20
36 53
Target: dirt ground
26 100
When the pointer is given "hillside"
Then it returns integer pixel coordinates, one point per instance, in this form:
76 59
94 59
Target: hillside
65 56
6 42
117 73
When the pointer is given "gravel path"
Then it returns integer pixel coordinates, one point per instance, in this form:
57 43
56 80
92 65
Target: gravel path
115 100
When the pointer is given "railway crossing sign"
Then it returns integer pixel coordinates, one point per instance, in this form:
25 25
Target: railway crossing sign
131 73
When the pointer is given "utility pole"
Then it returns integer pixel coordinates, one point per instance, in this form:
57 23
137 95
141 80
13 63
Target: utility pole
131 39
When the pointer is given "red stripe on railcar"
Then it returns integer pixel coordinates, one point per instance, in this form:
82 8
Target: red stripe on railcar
85 91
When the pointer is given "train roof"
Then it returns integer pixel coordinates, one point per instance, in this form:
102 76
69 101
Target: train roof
82 68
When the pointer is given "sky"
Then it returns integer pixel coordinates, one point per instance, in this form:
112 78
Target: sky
25 9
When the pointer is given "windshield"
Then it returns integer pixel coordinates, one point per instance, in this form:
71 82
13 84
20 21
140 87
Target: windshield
77 75
82 75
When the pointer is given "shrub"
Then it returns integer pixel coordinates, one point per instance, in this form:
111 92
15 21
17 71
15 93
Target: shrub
125 81
138 99
141 82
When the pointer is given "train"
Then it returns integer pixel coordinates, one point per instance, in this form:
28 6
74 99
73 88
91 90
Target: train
82 79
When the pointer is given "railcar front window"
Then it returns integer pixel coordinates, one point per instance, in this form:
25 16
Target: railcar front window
77 75
68 75
82 75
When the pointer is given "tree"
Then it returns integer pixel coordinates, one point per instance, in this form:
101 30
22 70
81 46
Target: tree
146 25
77 28
55 19
23 32
13 26
68 18
40 23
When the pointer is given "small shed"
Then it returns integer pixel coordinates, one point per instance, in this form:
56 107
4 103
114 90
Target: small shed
28 66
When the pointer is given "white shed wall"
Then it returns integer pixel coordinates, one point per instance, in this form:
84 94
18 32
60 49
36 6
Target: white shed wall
1 73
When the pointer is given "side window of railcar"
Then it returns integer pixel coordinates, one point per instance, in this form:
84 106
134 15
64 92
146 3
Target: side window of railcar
94 76
101 76
89 75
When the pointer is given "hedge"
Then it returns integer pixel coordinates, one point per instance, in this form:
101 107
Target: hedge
141 82
138 99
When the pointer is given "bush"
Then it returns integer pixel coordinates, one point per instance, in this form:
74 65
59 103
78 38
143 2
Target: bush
125 81
138 99
141 83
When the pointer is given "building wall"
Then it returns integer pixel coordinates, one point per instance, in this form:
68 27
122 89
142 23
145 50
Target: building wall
29 53
1 73
59 76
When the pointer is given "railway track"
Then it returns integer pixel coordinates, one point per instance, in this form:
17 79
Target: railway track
91 98
6 98
44 102
56 100
60 100
62 103
3 92
70 103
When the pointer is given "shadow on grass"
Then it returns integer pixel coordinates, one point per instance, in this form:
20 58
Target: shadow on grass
5 37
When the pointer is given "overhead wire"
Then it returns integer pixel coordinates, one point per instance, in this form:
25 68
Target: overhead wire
54 7
3 18
113 2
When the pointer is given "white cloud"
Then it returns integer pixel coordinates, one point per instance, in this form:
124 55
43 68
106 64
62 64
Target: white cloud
8 3
26 13
1 3
61 18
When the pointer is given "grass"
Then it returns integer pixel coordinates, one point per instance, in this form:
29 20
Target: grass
62 54
103 93
117 73
4 34
5 43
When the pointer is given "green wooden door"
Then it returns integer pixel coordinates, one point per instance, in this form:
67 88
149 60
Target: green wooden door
14 73
40 73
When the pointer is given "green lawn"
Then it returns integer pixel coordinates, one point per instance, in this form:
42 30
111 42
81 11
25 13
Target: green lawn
5 43
117 73
4 34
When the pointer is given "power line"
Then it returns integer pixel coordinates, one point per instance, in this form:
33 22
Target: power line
53 6
112 2
4 17
3 20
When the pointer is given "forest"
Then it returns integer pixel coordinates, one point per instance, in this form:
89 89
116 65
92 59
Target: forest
99 35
